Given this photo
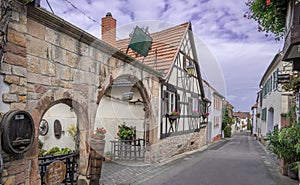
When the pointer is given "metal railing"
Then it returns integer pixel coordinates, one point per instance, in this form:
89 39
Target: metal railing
70 161
128 149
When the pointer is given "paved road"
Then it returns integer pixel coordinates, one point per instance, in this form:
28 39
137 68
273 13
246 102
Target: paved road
238 161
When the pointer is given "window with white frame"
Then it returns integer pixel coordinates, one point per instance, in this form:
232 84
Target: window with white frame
172 101
216 121
195 106
217 103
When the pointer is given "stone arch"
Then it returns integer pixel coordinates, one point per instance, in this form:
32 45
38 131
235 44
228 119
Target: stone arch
143 91
140 86
80 106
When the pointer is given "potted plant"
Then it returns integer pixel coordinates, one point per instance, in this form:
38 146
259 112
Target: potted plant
108 155
205 115
97 141
97 145
173 115
99 133
126 133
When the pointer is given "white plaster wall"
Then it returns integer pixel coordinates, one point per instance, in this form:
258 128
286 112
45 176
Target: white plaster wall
254 122
113 111
4 88
272 99
218 113
276 100
67 118
209 93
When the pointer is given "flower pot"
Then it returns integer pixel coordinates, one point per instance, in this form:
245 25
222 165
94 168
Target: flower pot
97 145
172 117
100 137
283 170
107 158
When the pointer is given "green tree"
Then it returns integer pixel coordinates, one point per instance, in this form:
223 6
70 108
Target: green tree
226 118
270 18
226 123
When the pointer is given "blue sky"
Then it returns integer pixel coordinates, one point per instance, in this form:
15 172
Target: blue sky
233 55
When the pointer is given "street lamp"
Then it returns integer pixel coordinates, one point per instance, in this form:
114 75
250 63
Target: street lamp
190 70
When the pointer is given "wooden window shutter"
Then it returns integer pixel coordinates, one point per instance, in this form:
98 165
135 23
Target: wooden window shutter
165 103
178 102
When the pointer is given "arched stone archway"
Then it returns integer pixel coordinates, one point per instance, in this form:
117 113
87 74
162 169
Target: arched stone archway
112 107
78 103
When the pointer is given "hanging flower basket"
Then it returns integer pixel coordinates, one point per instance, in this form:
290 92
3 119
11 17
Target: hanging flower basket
173 115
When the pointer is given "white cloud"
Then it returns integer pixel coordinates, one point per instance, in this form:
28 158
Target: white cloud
238 51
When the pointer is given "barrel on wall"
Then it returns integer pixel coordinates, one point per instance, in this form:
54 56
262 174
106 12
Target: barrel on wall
18 132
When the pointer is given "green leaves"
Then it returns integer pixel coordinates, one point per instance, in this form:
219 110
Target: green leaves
125 132
270 18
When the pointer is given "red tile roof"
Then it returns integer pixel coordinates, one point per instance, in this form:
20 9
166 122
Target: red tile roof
242 115
165 42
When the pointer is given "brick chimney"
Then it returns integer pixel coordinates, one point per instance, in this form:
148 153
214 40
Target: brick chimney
109 29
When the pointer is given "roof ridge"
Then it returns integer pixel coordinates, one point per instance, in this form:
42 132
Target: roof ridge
157 32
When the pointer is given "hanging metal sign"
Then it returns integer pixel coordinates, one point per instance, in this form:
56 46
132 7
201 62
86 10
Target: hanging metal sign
283 78
140 42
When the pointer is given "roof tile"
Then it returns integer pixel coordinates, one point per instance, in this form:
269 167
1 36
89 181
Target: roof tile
165 45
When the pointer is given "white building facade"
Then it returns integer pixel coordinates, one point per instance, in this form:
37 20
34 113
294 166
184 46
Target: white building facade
272 102
214 131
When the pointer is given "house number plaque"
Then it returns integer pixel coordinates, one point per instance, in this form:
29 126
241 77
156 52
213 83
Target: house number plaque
55 173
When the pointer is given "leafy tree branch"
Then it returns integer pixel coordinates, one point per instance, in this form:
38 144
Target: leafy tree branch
270 18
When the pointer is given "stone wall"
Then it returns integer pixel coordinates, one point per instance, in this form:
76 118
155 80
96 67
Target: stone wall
173 145
49 61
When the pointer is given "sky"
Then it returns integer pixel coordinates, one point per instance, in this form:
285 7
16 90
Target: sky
233 55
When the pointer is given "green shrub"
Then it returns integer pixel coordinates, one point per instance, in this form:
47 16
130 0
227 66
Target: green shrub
227 131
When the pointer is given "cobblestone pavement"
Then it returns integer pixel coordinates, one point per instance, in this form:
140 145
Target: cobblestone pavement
118 173
125 173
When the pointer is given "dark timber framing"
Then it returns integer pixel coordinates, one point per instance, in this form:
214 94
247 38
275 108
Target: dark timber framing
187 89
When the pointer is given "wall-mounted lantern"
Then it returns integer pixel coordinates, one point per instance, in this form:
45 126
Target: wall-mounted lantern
190 70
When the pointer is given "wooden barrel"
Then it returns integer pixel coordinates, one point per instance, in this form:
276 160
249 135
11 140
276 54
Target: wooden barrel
97 145
18 132
97 150
96 166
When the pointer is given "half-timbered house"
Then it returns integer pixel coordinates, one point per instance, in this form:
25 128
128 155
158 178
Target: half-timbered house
181 121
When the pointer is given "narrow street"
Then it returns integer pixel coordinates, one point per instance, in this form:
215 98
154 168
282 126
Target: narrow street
240 160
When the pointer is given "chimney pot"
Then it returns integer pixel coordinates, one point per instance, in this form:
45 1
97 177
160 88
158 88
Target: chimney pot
108 14
109 29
